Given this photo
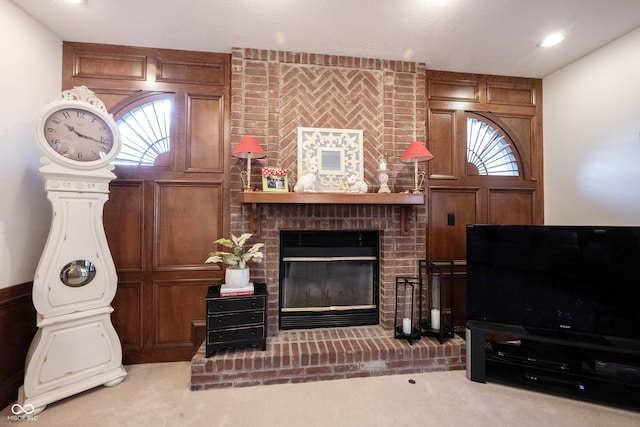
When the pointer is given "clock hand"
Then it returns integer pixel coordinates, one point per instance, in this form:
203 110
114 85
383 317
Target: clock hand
72 129
87 137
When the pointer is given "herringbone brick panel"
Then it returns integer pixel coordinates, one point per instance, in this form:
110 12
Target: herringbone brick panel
336 98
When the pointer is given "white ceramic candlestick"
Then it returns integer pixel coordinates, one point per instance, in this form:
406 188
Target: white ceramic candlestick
383 177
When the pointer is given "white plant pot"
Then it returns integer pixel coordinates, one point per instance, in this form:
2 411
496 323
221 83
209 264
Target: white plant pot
237 278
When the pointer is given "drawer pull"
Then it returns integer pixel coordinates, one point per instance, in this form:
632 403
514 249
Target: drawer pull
220 336
253 303
219 321
253 333
220 305
253 317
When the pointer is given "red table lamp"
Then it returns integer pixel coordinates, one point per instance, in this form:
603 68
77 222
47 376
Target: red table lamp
416 152
248 149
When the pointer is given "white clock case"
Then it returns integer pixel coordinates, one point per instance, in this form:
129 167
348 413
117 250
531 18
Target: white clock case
76 233
76 346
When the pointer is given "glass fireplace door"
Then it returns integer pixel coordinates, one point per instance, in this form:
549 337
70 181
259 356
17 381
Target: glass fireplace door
328 278
316 284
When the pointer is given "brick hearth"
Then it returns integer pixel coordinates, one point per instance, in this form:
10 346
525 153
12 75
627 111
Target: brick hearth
324 354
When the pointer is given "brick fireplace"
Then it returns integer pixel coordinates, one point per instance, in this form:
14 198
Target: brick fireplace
398 253
273 93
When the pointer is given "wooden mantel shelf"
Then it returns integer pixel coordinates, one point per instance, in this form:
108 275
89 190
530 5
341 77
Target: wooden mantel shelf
266 197
257 198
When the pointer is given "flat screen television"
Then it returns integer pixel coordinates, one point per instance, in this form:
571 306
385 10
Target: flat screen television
570 281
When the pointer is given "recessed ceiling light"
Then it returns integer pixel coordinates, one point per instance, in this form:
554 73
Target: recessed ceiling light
76 1
551 40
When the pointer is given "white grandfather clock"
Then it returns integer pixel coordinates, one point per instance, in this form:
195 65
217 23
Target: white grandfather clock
76 347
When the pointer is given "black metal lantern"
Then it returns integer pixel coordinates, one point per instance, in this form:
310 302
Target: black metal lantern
436 279
407 314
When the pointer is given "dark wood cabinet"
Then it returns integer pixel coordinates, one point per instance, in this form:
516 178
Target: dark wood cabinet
236 320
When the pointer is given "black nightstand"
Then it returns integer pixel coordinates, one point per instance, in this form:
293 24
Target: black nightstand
236 320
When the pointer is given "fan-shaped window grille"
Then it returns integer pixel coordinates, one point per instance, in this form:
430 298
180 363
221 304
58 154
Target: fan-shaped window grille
145 133
488 150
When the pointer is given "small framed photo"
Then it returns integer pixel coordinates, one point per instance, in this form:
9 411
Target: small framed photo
274 179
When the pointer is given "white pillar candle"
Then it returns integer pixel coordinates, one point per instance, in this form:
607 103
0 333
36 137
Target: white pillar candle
406 326
435 318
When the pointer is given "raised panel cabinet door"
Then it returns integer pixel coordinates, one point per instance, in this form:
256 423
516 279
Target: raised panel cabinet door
188 216
450 210
124 224
205 134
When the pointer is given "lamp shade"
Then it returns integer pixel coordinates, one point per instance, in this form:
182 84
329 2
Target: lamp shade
416 152
249 149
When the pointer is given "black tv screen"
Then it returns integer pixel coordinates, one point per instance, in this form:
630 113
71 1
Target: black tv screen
555 279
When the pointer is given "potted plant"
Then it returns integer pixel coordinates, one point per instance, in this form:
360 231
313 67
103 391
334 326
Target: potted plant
237 272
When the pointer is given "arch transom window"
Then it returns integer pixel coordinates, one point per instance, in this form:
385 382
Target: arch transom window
145 133
488 150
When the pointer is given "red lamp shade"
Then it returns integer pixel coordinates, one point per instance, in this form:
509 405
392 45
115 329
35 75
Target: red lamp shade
249 149
416 152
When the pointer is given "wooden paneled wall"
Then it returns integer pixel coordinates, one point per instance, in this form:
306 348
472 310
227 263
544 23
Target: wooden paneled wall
457 195
514 106
161 220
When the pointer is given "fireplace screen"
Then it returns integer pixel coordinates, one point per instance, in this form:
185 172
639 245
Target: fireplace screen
328 278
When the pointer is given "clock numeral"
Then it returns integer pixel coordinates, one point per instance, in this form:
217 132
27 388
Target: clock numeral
66 115
80 114
80 155
56 120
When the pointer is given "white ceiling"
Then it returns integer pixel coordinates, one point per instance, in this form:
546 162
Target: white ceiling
476 36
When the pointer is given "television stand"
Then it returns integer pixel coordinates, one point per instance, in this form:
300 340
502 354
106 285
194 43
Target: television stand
590 370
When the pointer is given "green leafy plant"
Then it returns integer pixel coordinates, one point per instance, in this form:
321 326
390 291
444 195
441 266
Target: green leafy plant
237 258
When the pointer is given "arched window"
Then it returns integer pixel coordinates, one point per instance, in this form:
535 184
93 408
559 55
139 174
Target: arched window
489 151
145 133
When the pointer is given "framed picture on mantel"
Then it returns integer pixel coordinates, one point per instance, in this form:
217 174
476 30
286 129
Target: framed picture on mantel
274 179
335 154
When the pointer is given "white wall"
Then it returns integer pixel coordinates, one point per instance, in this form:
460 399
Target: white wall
30 76
592 138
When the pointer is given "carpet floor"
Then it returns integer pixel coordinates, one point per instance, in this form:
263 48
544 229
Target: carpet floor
159 395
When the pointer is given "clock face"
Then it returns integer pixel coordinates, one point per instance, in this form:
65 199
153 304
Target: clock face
78 134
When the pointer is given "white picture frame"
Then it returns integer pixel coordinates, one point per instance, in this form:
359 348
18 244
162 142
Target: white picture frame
335 153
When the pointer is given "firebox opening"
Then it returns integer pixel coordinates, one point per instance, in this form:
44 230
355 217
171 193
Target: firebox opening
329 278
